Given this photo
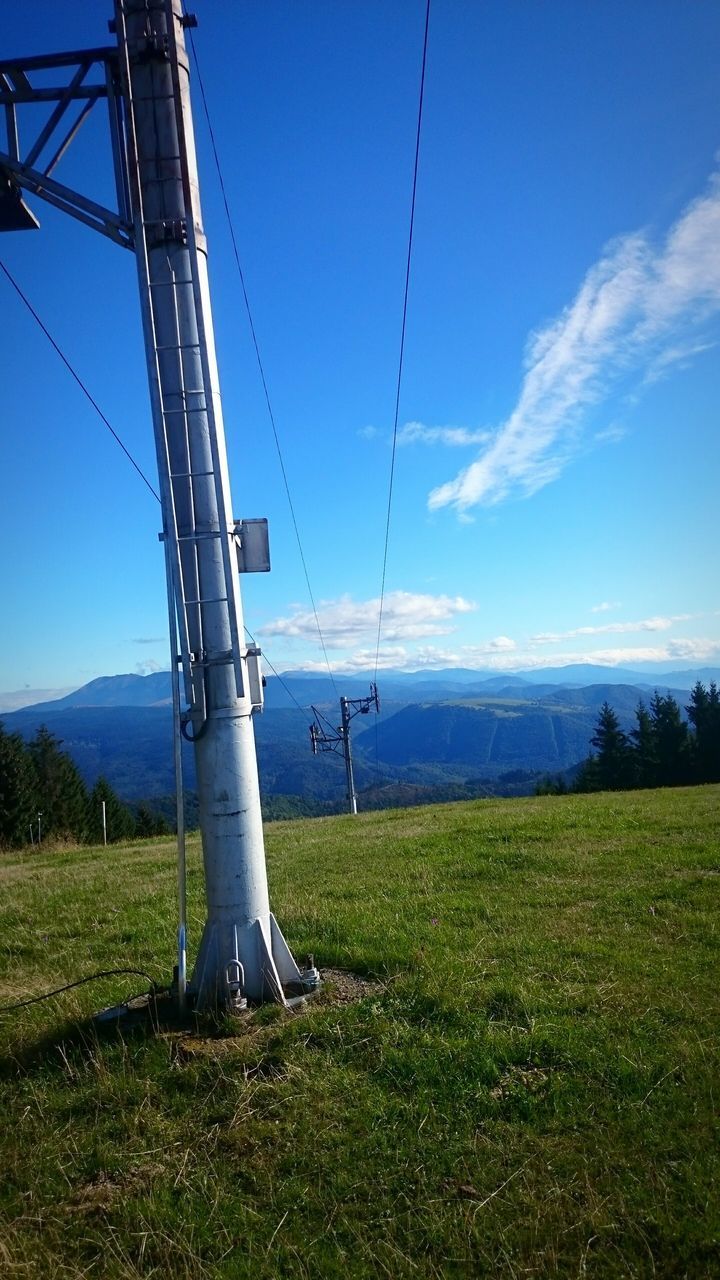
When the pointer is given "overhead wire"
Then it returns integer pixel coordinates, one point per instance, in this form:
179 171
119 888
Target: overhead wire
261 370
77 378
401 359
258 357
322 716
403 329
277 675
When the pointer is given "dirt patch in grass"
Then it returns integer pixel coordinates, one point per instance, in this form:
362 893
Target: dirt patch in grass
260 1023
102 1192
530 1078
340 987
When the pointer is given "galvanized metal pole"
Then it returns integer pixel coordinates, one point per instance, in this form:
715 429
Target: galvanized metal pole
242 952
181 985
345 719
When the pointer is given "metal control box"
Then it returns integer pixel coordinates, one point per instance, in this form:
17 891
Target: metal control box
253 546
255 679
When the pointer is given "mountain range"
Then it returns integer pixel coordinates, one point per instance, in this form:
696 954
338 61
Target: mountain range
439 734
307 686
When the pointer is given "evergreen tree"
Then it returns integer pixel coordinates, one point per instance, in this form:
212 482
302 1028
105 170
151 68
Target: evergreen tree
551 785
671 741
149 823
644 752
613 760
18 807
704 715
61 794
120 823
588 777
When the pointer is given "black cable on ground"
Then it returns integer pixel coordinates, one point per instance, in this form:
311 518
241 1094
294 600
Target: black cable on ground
93 977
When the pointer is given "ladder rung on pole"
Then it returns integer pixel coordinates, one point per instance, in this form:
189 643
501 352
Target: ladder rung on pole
179 346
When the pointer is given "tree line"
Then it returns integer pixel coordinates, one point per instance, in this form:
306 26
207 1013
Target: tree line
663 749
43 796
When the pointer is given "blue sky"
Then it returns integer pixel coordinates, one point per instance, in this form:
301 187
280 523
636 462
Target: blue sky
557 463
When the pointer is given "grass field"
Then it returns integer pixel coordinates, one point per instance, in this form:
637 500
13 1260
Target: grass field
531 1090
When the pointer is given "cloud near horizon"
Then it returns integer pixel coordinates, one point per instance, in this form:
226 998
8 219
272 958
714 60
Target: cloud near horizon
150 667
483 657
407 615
611 628
416 621
632 312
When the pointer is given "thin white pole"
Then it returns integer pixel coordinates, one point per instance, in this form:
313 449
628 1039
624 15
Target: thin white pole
104 820
179 790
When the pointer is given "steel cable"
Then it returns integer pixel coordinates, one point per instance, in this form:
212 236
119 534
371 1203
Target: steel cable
402 332
258 357
77 378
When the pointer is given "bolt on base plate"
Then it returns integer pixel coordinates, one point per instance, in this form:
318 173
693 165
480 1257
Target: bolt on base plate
247 962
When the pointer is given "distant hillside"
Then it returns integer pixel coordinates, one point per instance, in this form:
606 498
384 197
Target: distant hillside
399 688
622 698
18 698
116 691
492 735
577 675
582 674
121 727
130 746
486 738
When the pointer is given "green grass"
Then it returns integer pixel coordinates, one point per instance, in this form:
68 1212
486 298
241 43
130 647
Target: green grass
531 1091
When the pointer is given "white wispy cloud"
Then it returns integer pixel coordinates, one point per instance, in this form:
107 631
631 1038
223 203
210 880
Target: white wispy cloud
611 628
149 667
483 657
682 353
632 312
493 654
345 622
605 606
611 434
454 437
695 649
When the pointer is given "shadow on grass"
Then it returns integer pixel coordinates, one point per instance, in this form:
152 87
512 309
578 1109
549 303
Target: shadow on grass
155 1016
142 1018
